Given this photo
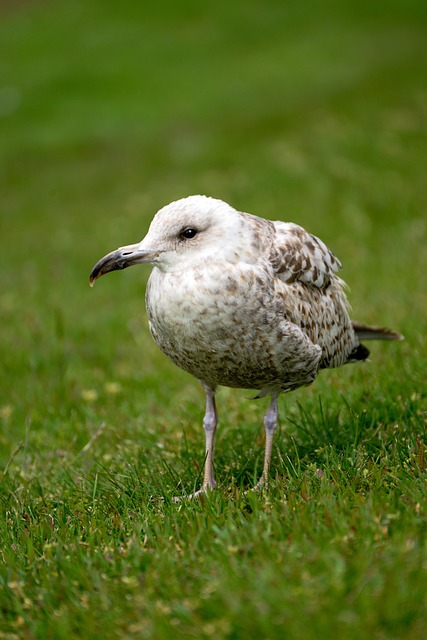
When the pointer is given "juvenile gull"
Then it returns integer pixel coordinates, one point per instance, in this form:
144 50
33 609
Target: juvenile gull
241 301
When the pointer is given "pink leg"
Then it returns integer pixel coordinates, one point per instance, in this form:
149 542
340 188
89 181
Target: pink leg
210 422
270 423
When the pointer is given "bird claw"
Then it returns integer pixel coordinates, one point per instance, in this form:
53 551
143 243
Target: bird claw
261 485
197 494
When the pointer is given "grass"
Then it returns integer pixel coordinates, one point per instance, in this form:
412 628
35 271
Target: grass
312 112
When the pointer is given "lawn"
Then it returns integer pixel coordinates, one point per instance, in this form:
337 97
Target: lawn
311 112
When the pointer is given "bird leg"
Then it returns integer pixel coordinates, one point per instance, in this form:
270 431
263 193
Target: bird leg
210 422
270 423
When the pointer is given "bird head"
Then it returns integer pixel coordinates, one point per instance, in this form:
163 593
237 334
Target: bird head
184 234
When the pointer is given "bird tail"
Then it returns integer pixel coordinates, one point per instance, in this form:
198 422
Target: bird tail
367 332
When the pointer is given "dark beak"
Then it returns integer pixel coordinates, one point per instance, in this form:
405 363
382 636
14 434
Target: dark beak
121 259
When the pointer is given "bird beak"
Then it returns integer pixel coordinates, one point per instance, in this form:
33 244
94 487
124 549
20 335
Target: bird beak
121 259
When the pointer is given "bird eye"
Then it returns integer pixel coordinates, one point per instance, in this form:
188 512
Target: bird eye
189 233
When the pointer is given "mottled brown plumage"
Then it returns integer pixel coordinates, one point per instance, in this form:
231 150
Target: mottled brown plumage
241 301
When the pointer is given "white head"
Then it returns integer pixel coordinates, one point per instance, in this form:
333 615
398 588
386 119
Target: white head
193 230
183 234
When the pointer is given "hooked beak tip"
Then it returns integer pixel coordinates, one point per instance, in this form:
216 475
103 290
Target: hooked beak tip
121 259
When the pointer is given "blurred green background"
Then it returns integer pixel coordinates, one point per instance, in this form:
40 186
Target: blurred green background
312 112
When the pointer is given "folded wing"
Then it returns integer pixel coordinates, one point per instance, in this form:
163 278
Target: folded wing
297 255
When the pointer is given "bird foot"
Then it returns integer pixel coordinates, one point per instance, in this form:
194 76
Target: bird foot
193 496
261 485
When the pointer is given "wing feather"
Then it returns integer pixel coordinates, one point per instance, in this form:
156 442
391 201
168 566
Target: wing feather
297 255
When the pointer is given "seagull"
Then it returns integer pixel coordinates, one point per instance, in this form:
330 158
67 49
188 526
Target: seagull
240 301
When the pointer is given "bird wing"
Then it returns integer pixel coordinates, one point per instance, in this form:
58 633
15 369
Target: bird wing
297 255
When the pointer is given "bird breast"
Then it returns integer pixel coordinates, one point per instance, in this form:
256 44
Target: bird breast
221 325
207 304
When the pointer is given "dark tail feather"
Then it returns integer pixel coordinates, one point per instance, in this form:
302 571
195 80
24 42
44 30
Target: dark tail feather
358 354
366 332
